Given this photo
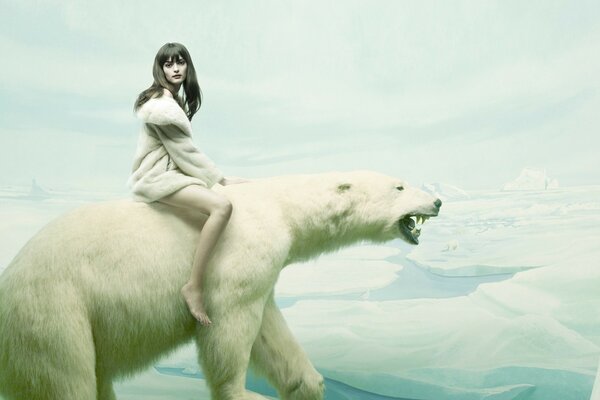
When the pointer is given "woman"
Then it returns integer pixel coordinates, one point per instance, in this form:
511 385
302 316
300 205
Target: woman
168 167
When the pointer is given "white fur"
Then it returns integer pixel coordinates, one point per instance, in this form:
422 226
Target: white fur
95 295
163 111
166 158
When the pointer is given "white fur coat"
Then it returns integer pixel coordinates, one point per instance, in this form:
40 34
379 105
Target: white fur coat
166 159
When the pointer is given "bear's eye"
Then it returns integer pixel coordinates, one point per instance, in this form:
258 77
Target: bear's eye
400 187
343 187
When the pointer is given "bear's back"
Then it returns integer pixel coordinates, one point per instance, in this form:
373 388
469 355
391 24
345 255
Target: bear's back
101 242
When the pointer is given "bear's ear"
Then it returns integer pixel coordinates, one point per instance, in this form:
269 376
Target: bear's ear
343 187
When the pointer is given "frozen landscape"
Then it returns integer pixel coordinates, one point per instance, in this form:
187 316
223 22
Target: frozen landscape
499 301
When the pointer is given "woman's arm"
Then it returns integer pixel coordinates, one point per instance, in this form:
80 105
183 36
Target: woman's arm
186 156
170 124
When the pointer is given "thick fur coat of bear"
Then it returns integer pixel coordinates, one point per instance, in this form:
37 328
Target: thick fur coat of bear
95 295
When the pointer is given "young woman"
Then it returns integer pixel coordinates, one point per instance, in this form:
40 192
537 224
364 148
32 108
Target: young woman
168 167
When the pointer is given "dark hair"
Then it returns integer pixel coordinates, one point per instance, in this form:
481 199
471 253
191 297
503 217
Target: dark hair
192 94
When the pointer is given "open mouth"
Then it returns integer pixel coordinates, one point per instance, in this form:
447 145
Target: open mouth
410 227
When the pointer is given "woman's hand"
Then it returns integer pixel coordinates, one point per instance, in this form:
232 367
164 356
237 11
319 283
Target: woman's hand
232 181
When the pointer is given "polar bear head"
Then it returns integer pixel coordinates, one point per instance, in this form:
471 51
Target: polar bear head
328 211
387 207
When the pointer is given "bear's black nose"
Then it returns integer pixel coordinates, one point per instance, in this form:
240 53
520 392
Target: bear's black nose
438 203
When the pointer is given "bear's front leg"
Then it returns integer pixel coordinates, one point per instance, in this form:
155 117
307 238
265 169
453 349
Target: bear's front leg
224 349
278 356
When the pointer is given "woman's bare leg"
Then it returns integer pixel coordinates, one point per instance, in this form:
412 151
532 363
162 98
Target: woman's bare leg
218 208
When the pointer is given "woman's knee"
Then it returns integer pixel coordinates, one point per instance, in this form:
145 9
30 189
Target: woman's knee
223 208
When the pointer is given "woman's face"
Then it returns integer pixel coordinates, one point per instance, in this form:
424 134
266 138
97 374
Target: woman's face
175 72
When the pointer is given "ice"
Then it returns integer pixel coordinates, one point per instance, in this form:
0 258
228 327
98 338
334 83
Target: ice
476 336
390 386
535 336
532 179
462 332
507 232
336 276
151 385
356 269
596 391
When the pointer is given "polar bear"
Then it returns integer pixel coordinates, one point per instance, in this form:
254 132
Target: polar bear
95 295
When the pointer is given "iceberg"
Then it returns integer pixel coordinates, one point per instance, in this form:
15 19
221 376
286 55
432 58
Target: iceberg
37 192
532 179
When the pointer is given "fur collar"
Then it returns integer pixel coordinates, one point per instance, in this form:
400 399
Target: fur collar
164 111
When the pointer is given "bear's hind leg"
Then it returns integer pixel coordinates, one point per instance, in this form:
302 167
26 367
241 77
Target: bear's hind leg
46 356
277 355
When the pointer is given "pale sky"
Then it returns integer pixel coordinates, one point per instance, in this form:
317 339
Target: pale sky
462 92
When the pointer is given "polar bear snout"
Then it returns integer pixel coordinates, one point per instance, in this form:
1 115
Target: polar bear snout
424 207
433 210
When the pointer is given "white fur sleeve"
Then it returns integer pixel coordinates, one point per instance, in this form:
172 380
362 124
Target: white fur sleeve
186 156
164 111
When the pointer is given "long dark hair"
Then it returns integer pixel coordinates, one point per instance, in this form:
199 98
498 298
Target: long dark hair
192 95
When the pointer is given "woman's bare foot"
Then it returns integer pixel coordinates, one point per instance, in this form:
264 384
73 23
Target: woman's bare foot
193 297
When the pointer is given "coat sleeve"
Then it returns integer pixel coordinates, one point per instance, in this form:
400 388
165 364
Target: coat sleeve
186 156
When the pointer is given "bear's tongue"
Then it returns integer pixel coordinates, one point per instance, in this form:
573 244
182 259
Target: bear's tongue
410 222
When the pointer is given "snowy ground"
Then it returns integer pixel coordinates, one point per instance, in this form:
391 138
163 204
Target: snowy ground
499 301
